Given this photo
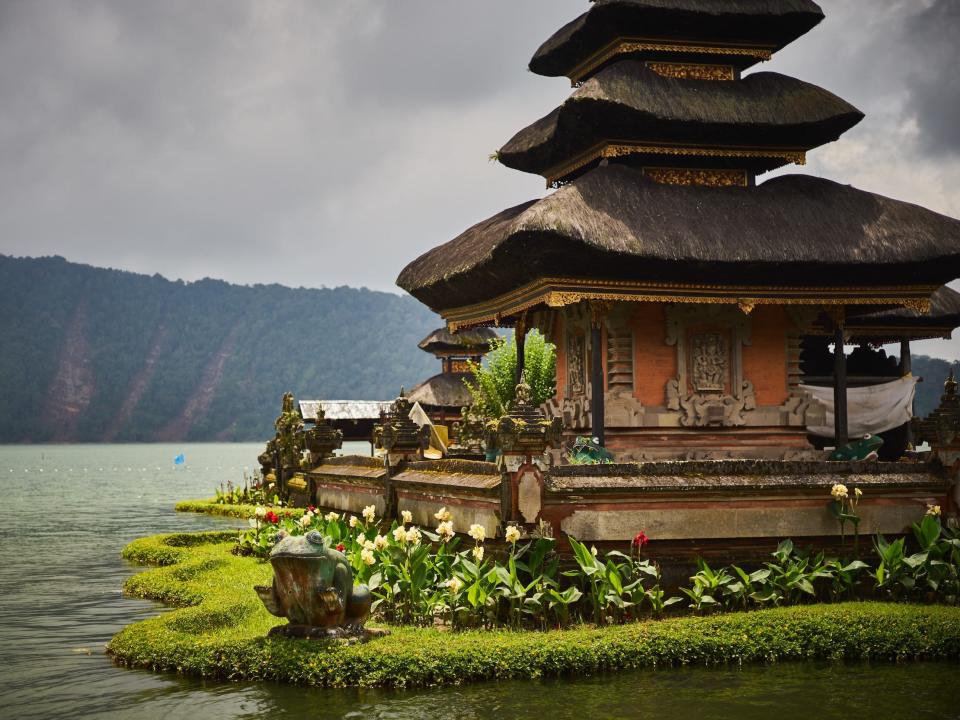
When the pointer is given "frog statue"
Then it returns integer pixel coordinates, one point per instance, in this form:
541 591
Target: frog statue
313 588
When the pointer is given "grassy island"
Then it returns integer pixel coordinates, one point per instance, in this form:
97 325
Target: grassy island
218 627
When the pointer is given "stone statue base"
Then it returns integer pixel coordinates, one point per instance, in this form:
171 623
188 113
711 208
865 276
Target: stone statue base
349 635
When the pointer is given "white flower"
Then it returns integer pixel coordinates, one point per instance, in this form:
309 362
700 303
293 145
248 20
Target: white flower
413 536
839 492
370 545
933 510
443 515
477 532
445 530
454 584
306 520
513 534
593 550
406 516
354 521
380 542
252 523
367 556
858 493
478 553
261 511
331 517
400 534
370 513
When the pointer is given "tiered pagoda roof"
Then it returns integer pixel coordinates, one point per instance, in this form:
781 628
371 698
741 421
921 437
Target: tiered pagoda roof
447 390
759 123
468 343
740 32
656 154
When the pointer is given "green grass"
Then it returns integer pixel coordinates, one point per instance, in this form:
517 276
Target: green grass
244 512
218 631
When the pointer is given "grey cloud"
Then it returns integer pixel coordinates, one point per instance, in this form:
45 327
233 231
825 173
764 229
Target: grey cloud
933 78
329 142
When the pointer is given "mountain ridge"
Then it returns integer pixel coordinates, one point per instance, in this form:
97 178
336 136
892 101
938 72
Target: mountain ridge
96 355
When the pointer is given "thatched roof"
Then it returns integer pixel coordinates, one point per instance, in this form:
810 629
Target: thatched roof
628 101
614 223
445 390
467 342
891 325
753 23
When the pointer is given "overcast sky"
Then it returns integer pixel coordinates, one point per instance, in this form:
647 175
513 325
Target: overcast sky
330 142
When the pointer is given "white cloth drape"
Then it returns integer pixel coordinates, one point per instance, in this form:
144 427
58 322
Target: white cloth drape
870 410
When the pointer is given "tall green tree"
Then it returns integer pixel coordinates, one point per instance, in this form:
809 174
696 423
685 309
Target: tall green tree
493 387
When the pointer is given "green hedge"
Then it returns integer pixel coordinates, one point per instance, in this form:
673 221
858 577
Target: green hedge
218 632
243 512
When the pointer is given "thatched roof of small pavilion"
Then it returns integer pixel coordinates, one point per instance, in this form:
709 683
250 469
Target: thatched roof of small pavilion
468 342
614 223
628 101
445 390
764 23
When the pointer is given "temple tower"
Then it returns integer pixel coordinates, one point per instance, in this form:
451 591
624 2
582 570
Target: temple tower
444 395
676 287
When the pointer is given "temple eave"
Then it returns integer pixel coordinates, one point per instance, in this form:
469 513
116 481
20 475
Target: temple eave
563 292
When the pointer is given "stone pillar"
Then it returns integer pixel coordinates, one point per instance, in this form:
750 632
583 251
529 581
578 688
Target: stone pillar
841 434
321 441
523 437
403 440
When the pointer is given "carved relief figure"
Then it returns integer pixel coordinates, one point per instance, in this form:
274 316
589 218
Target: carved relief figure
575 363
710 362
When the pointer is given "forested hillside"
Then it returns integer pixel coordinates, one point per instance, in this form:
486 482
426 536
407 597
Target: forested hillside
93 355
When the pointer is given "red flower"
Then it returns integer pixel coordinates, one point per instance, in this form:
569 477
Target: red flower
640 539
341 547
287 513
311 508
272 517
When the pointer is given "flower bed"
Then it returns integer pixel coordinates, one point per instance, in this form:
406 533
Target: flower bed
219 628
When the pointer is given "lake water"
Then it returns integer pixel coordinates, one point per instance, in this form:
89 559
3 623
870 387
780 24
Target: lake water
70 509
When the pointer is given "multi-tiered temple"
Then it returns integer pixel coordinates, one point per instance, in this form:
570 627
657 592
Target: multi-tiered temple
677 290
682 296
444 395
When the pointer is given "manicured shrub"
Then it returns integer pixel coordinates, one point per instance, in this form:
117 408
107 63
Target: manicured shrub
219 632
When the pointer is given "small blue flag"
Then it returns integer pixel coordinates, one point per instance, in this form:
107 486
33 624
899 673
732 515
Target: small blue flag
179 459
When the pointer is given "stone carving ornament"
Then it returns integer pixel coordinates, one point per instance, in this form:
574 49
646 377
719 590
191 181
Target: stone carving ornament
313 588
576 363
707 363
710 362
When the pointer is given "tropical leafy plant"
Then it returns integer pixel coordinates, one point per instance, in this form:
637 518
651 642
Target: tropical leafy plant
493 387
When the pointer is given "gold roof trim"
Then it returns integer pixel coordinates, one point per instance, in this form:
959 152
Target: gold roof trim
561 292
627 45
618 148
